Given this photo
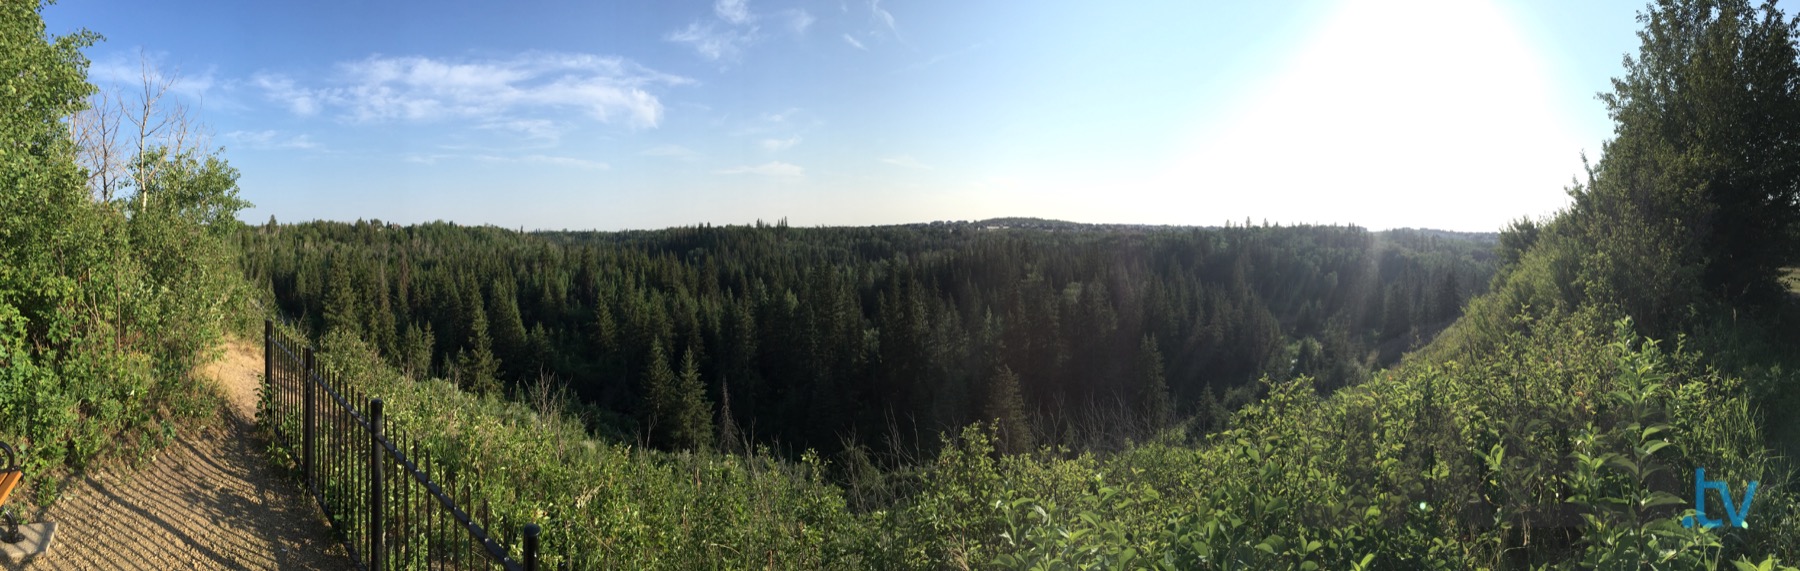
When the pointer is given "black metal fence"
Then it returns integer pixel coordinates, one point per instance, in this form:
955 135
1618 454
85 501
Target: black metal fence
379 487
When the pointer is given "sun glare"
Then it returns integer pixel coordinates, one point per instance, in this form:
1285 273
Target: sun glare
1394 113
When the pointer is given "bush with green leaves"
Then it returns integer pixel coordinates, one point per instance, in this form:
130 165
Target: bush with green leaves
105 305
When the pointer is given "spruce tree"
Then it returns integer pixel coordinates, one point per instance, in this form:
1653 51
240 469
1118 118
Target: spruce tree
342 311
730 441
692 426
1153 397
415 354
1006 409
511 341
478 369
658 410
606 336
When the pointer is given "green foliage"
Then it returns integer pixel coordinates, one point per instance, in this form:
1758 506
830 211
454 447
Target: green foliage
477 370
611 505
690 415
1703 115
1005 408
105 306
1563 448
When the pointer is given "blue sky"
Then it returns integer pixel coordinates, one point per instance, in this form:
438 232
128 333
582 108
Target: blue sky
1458 114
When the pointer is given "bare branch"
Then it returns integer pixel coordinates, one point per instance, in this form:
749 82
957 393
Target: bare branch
96 132
154 118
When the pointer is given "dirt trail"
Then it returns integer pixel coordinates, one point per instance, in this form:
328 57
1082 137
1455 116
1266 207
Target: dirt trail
208 501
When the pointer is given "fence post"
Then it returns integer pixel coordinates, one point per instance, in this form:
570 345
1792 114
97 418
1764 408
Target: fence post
309 420
376 557
268 356
531 546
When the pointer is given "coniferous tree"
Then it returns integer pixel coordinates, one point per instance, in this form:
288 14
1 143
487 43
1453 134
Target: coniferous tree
1449 298
1153 398
478 370
658 412
511 340
416 351
606 335
692 415
379 325
341 300
1006 409
730 441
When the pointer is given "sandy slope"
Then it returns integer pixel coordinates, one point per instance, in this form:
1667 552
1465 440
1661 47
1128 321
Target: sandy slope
209 501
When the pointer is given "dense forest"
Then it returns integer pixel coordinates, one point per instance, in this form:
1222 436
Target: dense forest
812 334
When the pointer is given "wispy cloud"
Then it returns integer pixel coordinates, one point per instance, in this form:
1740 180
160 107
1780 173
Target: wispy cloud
733 29
734 12
940 58
671 151
773 145
553 160
543 130
498 91
853 43
270 140
906 161
282 90
798 20
781 116
569 162
130 70
884 18
776 169
772 125
713 42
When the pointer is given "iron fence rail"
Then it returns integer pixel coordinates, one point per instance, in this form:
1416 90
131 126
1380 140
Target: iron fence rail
395 506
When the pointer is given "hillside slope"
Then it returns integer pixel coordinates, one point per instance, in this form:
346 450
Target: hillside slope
209 500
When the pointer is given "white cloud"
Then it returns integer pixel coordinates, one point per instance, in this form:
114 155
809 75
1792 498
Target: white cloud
799 20
906 161
712 42
130 73
282 90
559 161
671 151
734 12
853 43
772 169
412 88
773 145
782 116
883 17
270 140
734 29
570 162
537 129
430 159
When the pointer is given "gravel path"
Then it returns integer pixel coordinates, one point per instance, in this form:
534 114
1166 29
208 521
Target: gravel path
208 501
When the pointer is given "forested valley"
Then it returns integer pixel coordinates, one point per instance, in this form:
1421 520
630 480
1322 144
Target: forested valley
814 338
1003 394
